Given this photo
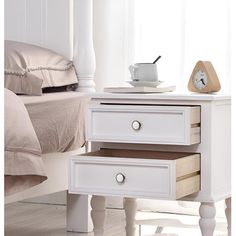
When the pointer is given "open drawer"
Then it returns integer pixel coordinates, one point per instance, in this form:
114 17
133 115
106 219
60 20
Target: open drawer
135 173
154 124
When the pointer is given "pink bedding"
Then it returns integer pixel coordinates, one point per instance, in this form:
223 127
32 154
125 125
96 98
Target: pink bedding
22 148
39 124
58 120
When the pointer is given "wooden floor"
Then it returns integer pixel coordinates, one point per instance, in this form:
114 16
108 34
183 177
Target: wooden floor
26 219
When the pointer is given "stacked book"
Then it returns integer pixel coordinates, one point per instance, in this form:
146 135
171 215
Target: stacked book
141 89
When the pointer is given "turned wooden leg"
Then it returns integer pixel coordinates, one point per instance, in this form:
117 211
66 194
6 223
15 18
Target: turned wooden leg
98 214
228 214
207 221
130 206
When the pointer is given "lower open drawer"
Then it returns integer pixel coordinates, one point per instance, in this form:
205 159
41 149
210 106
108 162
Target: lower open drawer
135 173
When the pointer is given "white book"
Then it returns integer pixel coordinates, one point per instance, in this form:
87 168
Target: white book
141 89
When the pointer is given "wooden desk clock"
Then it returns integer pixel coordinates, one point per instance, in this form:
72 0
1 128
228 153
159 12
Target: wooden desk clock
204 78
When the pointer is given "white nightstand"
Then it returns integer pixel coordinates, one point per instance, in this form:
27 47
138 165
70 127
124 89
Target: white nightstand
159 146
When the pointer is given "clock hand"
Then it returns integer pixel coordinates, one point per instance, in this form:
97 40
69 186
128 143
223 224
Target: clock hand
203 82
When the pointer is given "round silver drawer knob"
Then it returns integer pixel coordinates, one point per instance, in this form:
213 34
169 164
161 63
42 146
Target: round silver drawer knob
136 125
120 178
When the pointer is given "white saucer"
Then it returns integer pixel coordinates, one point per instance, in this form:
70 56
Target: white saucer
144 83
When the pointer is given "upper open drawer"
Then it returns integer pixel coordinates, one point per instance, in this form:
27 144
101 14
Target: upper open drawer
173 125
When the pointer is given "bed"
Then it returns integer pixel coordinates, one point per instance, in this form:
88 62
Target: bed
64 26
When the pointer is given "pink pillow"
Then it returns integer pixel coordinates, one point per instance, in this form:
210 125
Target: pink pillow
29 68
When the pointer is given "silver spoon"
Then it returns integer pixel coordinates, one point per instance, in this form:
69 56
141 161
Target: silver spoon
157 59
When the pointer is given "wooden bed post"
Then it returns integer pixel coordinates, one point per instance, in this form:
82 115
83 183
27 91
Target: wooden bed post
78 206
83 51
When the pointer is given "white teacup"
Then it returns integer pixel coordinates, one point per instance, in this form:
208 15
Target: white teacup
144 72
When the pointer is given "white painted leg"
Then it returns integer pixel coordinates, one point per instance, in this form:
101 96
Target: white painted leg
228 214
130 205
78 213
98 213
207 221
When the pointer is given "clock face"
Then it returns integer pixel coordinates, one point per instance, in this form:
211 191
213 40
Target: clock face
200 79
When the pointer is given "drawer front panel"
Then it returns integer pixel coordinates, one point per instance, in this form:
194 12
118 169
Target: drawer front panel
139 180
159 124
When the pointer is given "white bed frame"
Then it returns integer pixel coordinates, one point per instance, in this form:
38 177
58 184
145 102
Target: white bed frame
62 25
66 27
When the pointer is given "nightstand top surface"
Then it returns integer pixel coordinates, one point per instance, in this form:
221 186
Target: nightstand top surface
162 96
